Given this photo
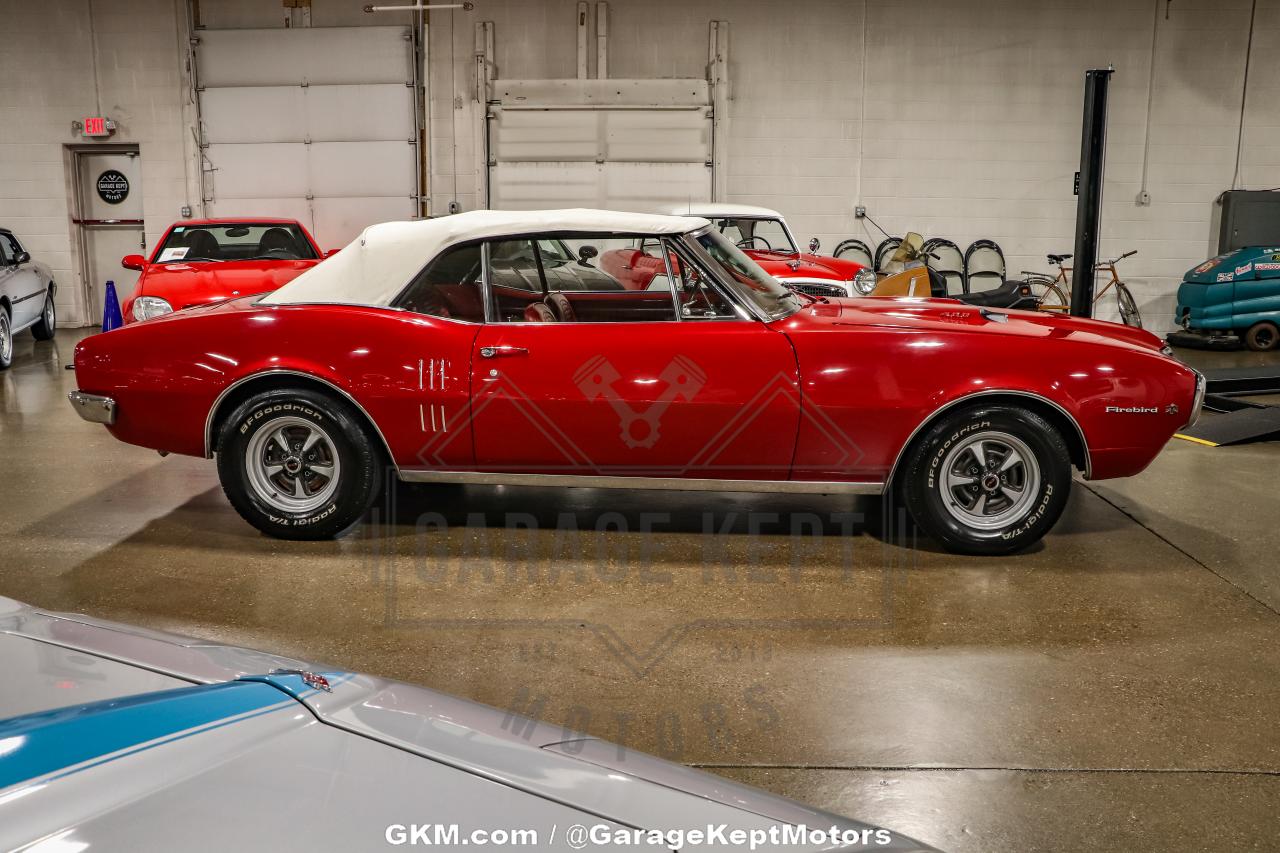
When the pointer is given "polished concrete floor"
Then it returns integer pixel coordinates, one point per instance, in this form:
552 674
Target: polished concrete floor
1117 688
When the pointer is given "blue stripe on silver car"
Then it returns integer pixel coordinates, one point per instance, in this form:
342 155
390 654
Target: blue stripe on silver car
67 740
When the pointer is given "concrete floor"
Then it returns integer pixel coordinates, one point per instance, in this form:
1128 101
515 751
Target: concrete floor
1116 688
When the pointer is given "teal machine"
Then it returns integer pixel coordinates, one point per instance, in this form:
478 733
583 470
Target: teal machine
1233 296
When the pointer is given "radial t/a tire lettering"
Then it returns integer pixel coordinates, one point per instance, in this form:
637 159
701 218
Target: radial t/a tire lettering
298 464
987 480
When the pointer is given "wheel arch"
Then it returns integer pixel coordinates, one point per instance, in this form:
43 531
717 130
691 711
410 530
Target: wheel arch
1066 424
255 383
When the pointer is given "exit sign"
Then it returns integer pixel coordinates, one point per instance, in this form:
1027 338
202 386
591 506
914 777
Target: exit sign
98 126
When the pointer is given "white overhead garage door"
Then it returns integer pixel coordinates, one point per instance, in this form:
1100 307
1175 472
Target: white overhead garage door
311 123
624 144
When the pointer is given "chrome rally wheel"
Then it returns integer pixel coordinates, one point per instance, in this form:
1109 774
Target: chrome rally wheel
292 464
987 479
298 463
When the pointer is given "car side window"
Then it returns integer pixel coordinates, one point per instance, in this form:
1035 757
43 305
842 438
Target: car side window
5 256
448 287
573 278
9 247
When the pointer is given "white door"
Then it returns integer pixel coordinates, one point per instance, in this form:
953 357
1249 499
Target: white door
316 124
640 145
110 223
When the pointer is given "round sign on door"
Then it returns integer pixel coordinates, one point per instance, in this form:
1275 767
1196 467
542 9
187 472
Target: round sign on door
113 187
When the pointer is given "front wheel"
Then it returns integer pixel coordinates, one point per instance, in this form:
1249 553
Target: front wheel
1128 308
298 464
988 480
47 325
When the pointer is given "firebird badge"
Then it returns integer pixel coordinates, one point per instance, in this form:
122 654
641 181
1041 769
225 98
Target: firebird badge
683 379
1132 410
1171 409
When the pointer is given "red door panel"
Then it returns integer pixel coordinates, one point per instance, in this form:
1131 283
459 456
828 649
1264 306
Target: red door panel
710 399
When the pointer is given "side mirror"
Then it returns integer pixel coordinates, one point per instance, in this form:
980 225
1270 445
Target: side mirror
133 262
586 253
22 258
331 252
814 245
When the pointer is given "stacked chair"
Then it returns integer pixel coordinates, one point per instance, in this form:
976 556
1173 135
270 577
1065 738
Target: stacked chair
984 267
949 263
855 250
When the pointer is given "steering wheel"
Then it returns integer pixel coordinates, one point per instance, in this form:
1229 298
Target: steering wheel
748 242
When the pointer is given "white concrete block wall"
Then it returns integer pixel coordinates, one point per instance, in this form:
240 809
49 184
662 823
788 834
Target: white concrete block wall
956 118
49 78
967 124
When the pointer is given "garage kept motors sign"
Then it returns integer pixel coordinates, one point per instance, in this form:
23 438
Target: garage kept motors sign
113 186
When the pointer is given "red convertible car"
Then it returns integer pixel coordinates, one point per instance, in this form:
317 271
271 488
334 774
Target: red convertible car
489 347
204 260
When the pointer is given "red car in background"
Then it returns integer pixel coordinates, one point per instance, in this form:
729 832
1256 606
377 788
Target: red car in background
200 261
765 237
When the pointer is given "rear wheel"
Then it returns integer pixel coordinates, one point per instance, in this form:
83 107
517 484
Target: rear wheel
988 480
1262 337
47 325
1049 297
298 464
6 339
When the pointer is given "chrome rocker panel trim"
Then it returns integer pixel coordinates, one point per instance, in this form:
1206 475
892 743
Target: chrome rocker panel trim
93 407
601 481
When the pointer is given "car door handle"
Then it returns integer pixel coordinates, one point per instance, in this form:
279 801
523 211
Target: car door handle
502 352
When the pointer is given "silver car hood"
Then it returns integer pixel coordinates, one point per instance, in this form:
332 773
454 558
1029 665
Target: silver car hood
231 753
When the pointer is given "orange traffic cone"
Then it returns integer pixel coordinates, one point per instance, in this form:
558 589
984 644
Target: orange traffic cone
111 318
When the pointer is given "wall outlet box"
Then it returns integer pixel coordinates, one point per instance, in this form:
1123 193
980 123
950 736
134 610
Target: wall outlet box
860 211
1143 199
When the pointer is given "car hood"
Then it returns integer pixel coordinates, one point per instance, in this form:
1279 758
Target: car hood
234 733
940 315
184 285
783 267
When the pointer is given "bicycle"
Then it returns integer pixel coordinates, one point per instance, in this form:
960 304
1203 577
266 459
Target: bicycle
1054 293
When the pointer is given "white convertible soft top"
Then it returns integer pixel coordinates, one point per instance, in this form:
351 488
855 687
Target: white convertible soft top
376 266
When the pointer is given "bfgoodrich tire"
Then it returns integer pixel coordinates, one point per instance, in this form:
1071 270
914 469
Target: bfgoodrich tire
988 480
298 464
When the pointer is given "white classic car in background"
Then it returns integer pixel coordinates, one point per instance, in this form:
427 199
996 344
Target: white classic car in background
120 738
26 296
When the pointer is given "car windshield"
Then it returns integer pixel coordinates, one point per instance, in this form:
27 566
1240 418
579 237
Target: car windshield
746 277
235 241
761 235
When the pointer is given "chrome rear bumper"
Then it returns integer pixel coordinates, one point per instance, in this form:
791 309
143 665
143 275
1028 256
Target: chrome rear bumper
93 408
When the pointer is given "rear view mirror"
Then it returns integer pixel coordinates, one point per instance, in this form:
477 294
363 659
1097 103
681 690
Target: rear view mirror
586 253
814 245
22 258
133 262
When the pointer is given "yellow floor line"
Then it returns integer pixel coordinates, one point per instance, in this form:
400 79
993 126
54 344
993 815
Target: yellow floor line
1196 440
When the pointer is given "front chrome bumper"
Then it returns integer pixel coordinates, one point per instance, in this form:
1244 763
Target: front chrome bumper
93 408
1198 402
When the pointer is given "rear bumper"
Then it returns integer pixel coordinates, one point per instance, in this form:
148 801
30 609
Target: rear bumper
93 408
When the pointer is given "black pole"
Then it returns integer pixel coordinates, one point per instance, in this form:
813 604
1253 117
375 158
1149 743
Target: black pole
1093 140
